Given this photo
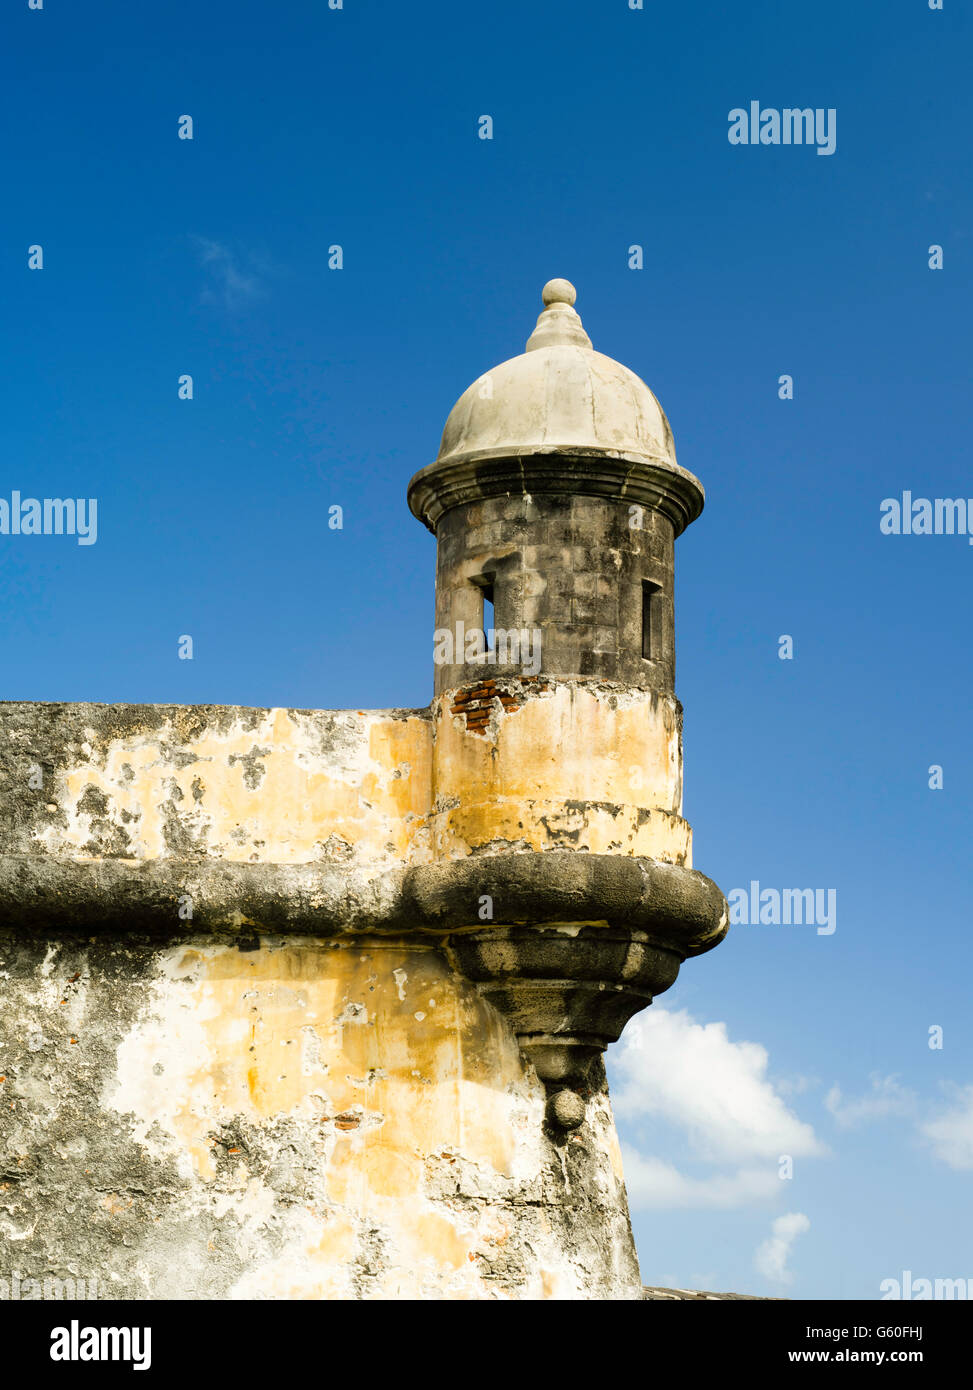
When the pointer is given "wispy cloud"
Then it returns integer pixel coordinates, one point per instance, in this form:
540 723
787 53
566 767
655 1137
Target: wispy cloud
234 280
951 1133
654 1185
887 1098
771 1255
947 1130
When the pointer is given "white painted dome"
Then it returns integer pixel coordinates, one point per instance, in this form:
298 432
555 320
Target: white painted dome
559 394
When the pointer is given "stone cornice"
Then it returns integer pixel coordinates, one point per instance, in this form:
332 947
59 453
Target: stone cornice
657 484
573 944
676 908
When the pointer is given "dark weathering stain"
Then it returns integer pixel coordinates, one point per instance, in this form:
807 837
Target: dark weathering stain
253 769
107 841
93 801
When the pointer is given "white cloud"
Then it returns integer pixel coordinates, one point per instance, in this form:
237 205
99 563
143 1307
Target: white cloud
886 1098
951 1133
771 1255
230 284
795 1085
670 1067
653 1184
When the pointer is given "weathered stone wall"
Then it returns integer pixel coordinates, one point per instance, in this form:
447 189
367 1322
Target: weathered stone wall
235 1060
168 782
500 763
570 566
554 764
281 1117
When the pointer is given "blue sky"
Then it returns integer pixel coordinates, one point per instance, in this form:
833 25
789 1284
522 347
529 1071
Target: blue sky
315 387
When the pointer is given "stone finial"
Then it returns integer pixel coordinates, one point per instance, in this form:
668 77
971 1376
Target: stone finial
559 292
558 325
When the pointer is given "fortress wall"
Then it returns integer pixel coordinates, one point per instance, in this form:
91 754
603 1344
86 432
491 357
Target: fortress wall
287 1117
282 786
552 764
223 1105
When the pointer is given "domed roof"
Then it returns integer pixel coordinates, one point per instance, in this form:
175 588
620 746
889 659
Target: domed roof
559 394
561 419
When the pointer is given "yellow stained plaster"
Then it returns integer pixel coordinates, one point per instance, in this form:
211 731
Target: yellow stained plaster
328 1036
544 825
319 1032
567 769
267 793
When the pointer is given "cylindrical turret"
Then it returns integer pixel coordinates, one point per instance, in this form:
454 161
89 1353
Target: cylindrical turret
555 500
